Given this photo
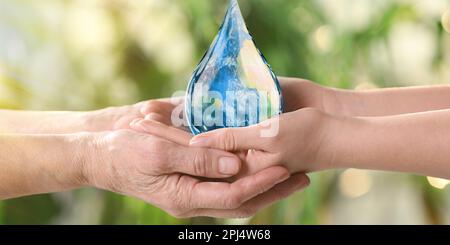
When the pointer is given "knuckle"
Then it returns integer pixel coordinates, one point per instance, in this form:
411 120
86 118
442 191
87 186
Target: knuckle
159 145
162 166
200 163
161 161
228 140
162 145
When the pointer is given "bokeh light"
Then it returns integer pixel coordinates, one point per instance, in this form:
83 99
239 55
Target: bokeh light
323 38
446 20
438 182
354 183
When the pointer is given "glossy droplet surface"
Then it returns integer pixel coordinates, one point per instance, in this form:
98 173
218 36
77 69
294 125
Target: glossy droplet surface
233 86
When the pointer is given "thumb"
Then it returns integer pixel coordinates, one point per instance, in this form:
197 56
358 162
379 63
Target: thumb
200 162
231 139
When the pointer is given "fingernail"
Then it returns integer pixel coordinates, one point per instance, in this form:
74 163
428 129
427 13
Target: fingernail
199 141
228 166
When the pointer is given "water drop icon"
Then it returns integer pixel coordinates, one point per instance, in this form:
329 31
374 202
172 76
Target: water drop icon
233 86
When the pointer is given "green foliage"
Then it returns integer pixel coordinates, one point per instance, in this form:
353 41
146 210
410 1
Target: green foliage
1 213
30 210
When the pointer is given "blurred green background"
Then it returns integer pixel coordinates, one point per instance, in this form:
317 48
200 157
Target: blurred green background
89 54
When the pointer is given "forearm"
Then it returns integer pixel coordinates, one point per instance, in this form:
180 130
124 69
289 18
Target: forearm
300 93
389 101
33 164
413 143
40 122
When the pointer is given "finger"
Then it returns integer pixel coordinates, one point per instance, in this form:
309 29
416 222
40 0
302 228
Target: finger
255 161
154 116
279 192
162 130
231 139
164 119
203 162
222 195
169 109
135 121
157 106
193 161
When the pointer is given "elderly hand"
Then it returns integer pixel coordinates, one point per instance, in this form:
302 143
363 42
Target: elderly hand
168 175
120 117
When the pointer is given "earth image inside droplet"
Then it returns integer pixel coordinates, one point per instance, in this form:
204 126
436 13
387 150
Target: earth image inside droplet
233 86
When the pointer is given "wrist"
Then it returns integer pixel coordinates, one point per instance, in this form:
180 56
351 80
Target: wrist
34 164
63 158
81 151
343 137
339 101
87 155
319 134
95 159
299 94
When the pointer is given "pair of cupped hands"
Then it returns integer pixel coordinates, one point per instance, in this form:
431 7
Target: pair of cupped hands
227 173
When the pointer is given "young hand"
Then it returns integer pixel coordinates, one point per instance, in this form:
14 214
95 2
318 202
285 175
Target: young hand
301 143
299 93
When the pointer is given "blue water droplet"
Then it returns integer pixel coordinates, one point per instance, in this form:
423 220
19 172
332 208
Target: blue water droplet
233 86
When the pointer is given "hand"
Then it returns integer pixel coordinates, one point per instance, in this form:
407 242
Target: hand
162 173
114 118
300 93
297 93
309 122
166 111
300 144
